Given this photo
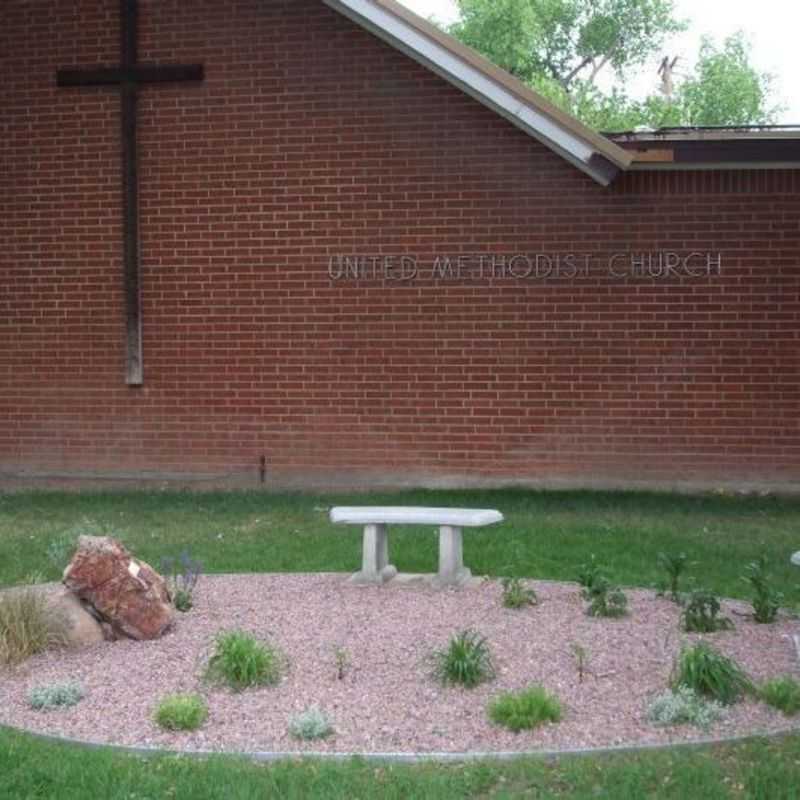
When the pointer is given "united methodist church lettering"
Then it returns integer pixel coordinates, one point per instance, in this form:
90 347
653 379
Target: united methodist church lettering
525 266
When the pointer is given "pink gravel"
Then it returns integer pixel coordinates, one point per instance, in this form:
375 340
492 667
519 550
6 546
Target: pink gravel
387 701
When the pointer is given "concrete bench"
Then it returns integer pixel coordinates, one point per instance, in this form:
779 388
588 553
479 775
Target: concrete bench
375 566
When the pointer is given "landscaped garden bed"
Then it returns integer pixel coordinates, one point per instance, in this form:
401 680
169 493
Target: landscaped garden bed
363 658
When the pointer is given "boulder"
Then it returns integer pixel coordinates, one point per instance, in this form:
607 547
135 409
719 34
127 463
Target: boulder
78 625
125 592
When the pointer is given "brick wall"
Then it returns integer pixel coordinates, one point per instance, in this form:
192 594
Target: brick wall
311 138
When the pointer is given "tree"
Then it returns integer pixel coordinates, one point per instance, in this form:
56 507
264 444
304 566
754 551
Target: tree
566 41
725 89
559 47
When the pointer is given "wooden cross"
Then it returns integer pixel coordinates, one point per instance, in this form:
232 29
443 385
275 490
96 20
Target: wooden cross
127 76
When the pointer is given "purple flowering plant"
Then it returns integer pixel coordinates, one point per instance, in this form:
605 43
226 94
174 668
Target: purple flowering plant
181 575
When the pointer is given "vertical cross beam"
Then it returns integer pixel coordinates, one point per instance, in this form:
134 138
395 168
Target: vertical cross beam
134 366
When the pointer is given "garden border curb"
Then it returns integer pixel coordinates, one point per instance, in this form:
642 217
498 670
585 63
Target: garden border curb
267 756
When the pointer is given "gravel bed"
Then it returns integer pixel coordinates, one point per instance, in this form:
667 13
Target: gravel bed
387 701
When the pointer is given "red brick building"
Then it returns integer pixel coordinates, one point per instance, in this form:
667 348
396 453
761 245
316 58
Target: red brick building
365 255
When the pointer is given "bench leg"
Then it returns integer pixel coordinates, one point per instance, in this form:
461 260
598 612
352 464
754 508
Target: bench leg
375 566
452 571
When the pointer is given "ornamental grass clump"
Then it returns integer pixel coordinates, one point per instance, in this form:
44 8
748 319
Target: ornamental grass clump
241 661
516 594
783 694
766 599
55 695
524 710
709 673
27 626
310 724
181 712
682 706
466 662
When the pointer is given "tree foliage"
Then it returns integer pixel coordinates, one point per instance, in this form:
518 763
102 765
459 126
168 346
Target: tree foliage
566 41
560 47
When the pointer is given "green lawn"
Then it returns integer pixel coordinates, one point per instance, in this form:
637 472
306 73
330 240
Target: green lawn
546 535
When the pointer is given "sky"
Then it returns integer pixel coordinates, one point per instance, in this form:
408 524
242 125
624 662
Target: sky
771 26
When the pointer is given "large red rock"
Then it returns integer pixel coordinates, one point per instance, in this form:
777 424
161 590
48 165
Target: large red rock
129 594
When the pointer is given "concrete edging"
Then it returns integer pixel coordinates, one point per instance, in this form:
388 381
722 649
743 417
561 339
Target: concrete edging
265 756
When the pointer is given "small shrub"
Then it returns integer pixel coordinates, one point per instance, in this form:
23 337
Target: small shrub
181 712
766 599
674 564
311 724
681 706
525 710
55 695
466 661
181 575
27 626
240 661
606 600
783 694
701 613
516 594
707 672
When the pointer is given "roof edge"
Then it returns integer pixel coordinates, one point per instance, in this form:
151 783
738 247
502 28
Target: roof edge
589 151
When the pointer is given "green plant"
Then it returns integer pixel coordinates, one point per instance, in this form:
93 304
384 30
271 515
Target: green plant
766 600
588 575
709 673
783 694
311 724
181 575
55 695
240 661
524 710
674 564
181 712
701 613
581 656
342 659
606 600
516 594
682 706
27 626
467 661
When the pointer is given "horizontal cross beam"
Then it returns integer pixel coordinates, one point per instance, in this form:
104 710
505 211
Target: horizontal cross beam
142 73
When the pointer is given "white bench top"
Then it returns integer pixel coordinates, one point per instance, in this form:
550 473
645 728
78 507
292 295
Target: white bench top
415 515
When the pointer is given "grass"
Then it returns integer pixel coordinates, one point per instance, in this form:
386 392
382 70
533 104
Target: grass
521 711
759 770
26 628
181 712
545 536
240 661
